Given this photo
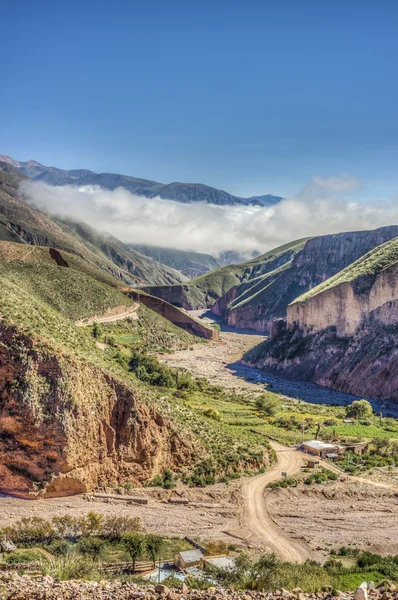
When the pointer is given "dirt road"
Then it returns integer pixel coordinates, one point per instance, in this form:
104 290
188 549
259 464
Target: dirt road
263 531
109 318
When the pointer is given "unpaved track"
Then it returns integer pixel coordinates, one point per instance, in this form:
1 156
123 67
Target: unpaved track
257 525
131 314
263 531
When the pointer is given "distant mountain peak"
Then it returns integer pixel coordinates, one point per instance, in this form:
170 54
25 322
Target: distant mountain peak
178 191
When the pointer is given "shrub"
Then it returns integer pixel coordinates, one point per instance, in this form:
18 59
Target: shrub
61 548
268 404
212 413
91 546
115 527
359 409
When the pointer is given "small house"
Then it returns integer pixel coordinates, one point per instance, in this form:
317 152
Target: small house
188 558
321 449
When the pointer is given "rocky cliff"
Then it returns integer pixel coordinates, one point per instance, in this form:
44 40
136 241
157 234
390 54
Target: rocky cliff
343 334
66 426
210 289
256 303
174 315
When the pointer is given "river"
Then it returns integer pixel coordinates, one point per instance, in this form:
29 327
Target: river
217 359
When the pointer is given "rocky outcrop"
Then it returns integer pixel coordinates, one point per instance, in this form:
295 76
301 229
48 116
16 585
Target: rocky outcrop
349 305
18 587
66 426
175 315
344 334
255 307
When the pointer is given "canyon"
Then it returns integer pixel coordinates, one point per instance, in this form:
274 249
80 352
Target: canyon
343 333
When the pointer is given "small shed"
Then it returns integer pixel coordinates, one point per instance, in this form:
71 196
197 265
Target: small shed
321 449
211 563
188 558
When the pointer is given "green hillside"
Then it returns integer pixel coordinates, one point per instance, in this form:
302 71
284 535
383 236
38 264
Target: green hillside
208 288
58 362
20 222
362 272
191 264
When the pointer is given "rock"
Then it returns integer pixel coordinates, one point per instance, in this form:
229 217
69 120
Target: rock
185 589
162 589
362 592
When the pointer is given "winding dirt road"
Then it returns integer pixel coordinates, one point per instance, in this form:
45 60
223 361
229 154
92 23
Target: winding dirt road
263 531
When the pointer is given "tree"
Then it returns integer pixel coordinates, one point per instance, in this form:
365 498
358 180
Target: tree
93 524
134 544
153 545
91 546
359 409
268 404
97 331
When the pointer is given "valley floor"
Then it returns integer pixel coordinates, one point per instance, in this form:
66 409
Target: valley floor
296 523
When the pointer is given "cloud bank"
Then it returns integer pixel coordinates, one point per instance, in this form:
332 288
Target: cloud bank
320 208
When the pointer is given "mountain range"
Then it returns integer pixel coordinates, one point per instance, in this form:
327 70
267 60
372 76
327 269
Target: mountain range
180 192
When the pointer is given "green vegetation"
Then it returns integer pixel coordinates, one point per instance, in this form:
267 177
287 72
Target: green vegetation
363 271
206 289
320 476
269 573
226 450
359 409
268 404
150 331
72 293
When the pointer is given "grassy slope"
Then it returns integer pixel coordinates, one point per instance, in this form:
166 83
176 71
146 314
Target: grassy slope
367 268
150 330
178 259
208 288
42 314
20 222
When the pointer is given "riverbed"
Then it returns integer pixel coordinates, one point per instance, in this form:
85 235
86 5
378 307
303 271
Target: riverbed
220 363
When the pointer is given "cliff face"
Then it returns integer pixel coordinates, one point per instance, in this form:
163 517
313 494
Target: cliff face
66 426
343 336
320 259
175 315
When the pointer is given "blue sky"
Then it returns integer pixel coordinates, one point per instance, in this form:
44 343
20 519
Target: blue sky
251 96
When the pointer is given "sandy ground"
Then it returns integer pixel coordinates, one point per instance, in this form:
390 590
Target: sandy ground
210 360
337 515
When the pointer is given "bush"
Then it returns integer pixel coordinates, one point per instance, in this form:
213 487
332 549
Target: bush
268 404
115 527
91 546
359 409
212 413
61 548
71 567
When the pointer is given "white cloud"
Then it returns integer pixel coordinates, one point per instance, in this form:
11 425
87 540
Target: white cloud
319 209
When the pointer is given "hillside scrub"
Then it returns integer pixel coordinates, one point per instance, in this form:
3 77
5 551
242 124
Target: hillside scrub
269 573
